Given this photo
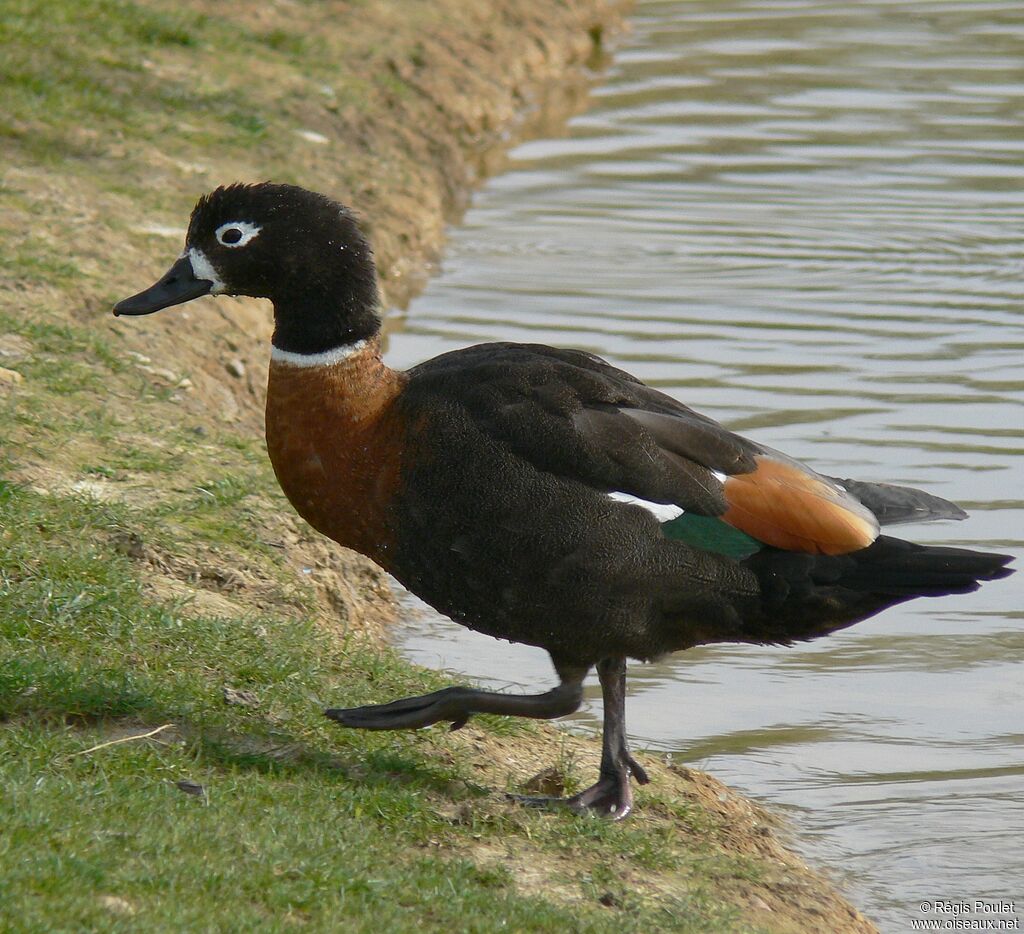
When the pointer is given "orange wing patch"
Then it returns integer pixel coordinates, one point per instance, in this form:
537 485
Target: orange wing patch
788 507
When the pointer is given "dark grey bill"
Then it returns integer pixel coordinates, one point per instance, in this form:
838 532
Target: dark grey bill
178 285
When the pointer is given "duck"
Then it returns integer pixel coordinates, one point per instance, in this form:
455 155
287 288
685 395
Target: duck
538 494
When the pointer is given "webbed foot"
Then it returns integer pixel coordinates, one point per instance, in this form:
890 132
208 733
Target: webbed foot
409 713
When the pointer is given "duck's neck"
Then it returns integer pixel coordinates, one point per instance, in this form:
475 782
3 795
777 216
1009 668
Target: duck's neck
354 372
320 330
340 389
330 307
367 347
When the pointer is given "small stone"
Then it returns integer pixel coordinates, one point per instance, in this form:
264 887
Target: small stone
117 904
10 377
161 372
311 136
14 347
236 368
550 781
130 544
190 168
191 788
158 230
240 698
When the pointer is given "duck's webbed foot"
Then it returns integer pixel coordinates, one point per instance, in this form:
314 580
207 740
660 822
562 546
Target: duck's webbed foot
612 795
457 704
407 713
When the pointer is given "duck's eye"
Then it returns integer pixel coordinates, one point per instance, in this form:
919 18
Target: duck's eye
236 233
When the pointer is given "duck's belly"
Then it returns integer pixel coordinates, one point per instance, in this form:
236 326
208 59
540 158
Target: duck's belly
523 555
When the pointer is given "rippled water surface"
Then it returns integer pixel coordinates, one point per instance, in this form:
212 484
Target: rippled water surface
806 220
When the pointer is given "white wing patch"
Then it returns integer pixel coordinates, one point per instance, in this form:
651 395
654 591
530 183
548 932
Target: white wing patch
663 512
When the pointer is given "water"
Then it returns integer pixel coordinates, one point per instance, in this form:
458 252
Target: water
804 219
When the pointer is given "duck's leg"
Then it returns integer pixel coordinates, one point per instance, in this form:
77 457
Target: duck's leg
611 796
458 704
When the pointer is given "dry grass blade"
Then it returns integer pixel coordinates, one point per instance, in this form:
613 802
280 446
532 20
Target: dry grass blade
123 739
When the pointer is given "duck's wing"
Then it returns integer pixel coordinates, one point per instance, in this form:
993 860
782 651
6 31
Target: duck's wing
572 414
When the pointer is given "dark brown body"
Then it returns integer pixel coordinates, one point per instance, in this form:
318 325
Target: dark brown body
379 469
537 494
419 472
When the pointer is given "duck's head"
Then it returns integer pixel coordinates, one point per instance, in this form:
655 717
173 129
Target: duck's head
298 248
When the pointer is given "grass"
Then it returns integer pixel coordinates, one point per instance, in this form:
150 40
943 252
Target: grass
149 563
297 820
243 853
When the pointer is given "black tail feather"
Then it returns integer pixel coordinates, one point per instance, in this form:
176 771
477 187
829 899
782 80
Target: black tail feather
805 596
893 566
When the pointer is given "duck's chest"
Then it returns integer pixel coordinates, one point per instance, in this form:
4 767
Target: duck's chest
335 440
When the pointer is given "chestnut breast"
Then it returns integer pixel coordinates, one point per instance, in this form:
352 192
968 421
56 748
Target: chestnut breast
336 442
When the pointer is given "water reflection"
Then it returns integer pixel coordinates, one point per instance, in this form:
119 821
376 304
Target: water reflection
804 219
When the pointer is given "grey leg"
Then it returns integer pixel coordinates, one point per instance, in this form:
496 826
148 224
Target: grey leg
611 796
458 704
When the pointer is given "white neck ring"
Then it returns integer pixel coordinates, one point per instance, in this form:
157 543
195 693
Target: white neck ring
324 358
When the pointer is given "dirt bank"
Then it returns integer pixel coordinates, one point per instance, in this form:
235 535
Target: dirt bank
393 108
396 109
443 103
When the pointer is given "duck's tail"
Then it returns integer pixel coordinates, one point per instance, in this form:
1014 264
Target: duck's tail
892 504
805 596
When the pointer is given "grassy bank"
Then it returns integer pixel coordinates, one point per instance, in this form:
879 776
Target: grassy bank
169 632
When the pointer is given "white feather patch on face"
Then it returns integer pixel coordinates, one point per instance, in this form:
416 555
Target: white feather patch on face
202 268
325 358
663 512
246 231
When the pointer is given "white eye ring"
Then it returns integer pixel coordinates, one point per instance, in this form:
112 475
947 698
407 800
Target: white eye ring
244 230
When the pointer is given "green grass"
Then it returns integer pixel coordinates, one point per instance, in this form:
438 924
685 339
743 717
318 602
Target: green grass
262 846
299 820
99 69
